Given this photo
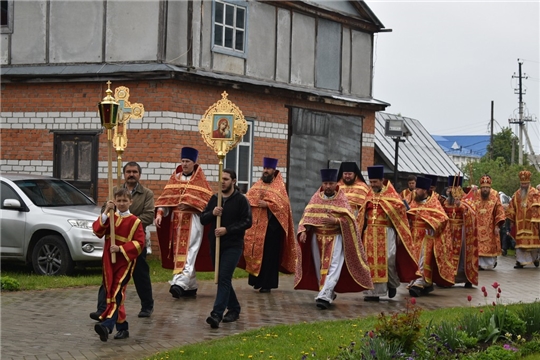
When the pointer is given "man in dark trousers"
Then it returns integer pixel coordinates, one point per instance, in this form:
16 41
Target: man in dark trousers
235 215
143 207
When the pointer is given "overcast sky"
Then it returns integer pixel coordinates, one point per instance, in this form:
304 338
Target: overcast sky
444 62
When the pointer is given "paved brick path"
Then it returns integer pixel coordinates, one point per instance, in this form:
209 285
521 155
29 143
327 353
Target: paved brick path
54 324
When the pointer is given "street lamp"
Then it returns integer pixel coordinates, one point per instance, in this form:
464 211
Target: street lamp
396 129
108 114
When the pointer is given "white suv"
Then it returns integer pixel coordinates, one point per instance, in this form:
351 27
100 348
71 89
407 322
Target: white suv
47 222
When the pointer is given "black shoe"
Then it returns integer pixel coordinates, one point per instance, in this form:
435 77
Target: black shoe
176 291
468 285
144 313
518 265
536 263
322 304
190 293
481 268
264 291
102 331
213 321
495 265
95 315
371 298
415 291
122 334
504 252
392 292
231 316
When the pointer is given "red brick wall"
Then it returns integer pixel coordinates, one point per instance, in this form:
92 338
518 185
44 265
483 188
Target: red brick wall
153 145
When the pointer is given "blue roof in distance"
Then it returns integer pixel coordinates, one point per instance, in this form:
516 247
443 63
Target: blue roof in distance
463 145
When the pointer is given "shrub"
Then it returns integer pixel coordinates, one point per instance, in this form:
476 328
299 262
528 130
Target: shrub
530 347
9 284
472 324
450 336
530 313
403 329
506 352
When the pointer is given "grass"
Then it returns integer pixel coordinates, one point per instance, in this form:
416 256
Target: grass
90 276
318 340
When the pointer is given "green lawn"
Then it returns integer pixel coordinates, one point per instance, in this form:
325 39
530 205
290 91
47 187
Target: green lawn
91 276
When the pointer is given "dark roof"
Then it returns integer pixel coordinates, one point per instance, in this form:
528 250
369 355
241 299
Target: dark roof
474 146
115 72
419 154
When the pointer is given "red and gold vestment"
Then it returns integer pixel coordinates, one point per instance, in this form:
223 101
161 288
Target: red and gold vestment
428 222
174 233
462 223
382 210
275 195
355 276
489 215
130 237
525 216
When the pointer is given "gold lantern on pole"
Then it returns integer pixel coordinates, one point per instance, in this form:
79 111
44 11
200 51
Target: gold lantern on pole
108 114
222 127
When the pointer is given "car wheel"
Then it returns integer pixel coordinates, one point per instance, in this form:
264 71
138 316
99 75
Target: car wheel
51 256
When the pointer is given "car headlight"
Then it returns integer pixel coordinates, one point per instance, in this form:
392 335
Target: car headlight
82 224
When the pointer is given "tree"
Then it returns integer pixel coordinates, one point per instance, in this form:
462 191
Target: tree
502 147
504 176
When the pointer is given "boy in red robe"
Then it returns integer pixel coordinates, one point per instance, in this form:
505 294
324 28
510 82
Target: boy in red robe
128 243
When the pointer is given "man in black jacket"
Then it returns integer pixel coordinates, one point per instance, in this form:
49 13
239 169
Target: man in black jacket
235 215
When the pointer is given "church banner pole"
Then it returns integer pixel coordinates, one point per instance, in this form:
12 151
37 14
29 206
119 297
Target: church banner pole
222 127
108 113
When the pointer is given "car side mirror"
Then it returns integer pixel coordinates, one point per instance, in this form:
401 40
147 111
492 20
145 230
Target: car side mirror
12 204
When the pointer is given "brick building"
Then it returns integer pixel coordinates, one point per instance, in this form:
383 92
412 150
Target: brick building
301 72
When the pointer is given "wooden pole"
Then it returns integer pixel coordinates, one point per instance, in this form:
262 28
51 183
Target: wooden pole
111 195
221 156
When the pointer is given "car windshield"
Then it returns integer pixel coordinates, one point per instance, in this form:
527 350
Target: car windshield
53 192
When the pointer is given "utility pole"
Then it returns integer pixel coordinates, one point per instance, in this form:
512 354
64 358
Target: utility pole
521 119
491 133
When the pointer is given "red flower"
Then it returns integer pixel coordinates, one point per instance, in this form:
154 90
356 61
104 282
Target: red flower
494 303
498 296
483 289
499 290
495 285
371 334
485 293
469 298
481 310
413 301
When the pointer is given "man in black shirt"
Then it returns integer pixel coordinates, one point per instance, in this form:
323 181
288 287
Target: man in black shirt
235 215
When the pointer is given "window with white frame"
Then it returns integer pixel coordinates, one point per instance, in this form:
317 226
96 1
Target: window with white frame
240 159
229 33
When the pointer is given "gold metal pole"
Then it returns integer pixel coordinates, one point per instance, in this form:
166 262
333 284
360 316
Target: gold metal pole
119 168
221 156
111 195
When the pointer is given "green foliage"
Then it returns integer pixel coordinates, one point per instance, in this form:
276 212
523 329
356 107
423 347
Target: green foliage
379 348
530 313
403 328
473 323
510 323
89 276
506 352
504 176
9 284
450 335
491 332
502 147
530 347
